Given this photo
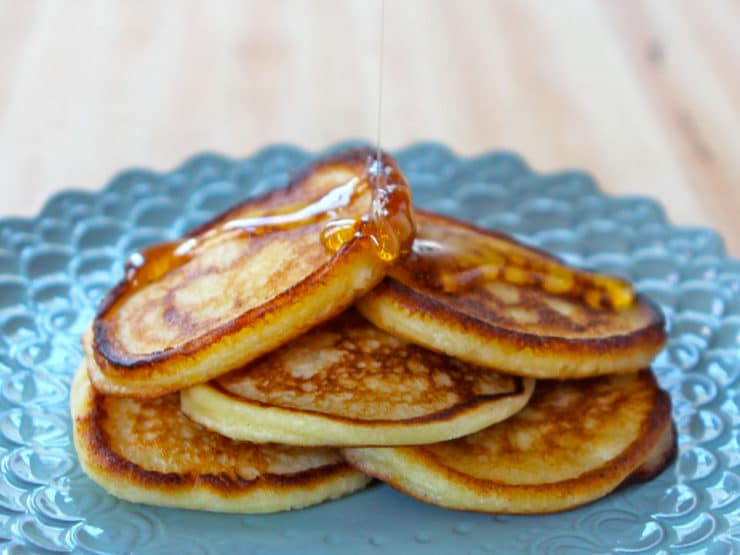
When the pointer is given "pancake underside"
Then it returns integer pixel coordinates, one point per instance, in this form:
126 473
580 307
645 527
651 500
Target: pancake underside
147 451
235 417
574 443
350 383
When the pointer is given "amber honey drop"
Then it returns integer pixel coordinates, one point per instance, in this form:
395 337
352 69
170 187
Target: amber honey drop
338 233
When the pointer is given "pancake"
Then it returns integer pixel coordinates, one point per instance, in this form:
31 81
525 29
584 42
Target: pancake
574 442
147 451
485 298
350 383
251 279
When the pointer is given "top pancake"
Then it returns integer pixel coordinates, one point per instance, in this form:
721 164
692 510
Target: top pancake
251 279
485 298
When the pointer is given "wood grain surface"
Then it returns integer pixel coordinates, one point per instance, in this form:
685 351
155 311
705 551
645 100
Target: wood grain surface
644 95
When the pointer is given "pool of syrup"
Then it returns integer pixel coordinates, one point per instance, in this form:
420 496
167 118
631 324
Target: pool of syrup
452 264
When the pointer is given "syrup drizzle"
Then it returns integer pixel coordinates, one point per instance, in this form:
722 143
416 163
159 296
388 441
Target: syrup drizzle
389 225
152 263
454 268
380 226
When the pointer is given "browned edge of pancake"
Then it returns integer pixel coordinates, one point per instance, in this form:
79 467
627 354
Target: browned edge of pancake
619 469
660 458
95 448
444 414
113 359
648 340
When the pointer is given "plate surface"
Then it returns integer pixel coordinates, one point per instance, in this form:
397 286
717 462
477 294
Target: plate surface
55 268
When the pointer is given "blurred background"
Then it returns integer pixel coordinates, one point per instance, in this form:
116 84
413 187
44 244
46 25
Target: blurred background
644 95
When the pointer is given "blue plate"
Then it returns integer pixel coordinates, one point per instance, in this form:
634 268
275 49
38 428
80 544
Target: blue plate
55 268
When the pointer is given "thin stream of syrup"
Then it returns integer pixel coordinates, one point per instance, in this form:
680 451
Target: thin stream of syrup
378 226
380 79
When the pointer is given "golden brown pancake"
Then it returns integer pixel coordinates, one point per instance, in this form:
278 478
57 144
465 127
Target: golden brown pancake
251 279
147 451
485 298
350 383
574 442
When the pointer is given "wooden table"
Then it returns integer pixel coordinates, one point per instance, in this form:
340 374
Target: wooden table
645 95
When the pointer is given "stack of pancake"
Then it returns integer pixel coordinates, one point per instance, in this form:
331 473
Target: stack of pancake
325 334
